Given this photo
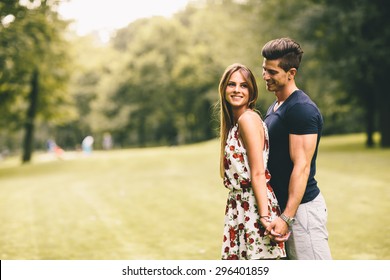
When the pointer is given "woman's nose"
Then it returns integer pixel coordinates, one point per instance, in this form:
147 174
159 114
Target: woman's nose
237 88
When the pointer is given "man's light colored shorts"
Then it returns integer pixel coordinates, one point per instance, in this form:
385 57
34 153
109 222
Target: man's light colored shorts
309 238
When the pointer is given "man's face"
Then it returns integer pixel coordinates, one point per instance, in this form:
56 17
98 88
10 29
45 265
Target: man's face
274 76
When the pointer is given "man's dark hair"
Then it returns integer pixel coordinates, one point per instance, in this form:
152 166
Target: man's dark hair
286 49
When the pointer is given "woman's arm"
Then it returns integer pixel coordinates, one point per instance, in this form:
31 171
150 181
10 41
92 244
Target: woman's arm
252 134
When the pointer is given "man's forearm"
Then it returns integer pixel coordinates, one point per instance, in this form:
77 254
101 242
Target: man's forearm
296 190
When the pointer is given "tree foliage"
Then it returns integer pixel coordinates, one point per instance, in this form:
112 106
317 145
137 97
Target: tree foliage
354 37
34 74
156 82
350 40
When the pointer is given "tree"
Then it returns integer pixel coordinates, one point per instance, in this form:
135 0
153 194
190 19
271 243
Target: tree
345 61
171 73
145 95
351 36
34 73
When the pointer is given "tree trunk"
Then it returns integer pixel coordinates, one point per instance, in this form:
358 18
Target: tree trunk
370 124
28 142
384 120
142 131
370 112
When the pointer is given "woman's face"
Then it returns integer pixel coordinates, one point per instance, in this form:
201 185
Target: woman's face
237 91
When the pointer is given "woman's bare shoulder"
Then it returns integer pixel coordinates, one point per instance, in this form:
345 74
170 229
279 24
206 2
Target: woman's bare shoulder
250 117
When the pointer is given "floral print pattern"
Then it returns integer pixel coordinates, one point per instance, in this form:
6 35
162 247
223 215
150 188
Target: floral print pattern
243 232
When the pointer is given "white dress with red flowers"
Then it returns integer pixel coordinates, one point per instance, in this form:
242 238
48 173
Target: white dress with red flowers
243 233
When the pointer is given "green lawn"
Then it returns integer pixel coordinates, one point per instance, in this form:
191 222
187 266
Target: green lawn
355 182
168 203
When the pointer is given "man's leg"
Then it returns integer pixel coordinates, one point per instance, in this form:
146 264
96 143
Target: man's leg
309 238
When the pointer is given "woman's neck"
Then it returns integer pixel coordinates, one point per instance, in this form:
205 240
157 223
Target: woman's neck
237 112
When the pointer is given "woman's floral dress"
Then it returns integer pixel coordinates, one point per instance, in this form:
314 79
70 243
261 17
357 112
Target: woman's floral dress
243 232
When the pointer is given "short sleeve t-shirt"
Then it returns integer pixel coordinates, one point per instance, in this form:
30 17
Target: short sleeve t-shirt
297 115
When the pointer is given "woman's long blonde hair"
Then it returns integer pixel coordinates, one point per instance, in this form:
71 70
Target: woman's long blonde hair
226 113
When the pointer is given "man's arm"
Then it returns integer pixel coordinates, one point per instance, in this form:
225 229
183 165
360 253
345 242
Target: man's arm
302 148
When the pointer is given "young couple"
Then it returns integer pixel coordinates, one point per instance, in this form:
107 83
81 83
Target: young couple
274 208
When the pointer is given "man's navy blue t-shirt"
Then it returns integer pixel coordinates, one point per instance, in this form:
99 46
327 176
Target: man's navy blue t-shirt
297 115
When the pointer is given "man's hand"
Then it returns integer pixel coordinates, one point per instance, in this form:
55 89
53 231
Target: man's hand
277 230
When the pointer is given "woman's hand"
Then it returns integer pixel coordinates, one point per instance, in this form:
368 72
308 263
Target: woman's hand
265 221
280 238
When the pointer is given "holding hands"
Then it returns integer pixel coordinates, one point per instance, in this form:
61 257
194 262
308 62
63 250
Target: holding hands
277 229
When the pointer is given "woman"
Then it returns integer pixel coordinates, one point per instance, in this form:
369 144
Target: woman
251 203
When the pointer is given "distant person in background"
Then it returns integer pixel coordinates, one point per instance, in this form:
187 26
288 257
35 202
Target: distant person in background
294 123
52 147
107 141
87 145
251 203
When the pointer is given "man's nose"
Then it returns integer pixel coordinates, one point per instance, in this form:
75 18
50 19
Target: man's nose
265 75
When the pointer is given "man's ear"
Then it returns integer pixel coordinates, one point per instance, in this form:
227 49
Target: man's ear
291 73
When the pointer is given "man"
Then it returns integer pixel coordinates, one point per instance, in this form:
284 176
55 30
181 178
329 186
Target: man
295 124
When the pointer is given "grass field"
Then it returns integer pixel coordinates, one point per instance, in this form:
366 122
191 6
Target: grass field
168 203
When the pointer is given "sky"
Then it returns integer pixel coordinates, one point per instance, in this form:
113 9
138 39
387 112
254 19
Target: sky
105 16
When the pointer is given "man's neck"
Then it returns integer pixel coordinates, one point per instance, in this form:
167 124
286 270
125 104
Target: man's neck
283 94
